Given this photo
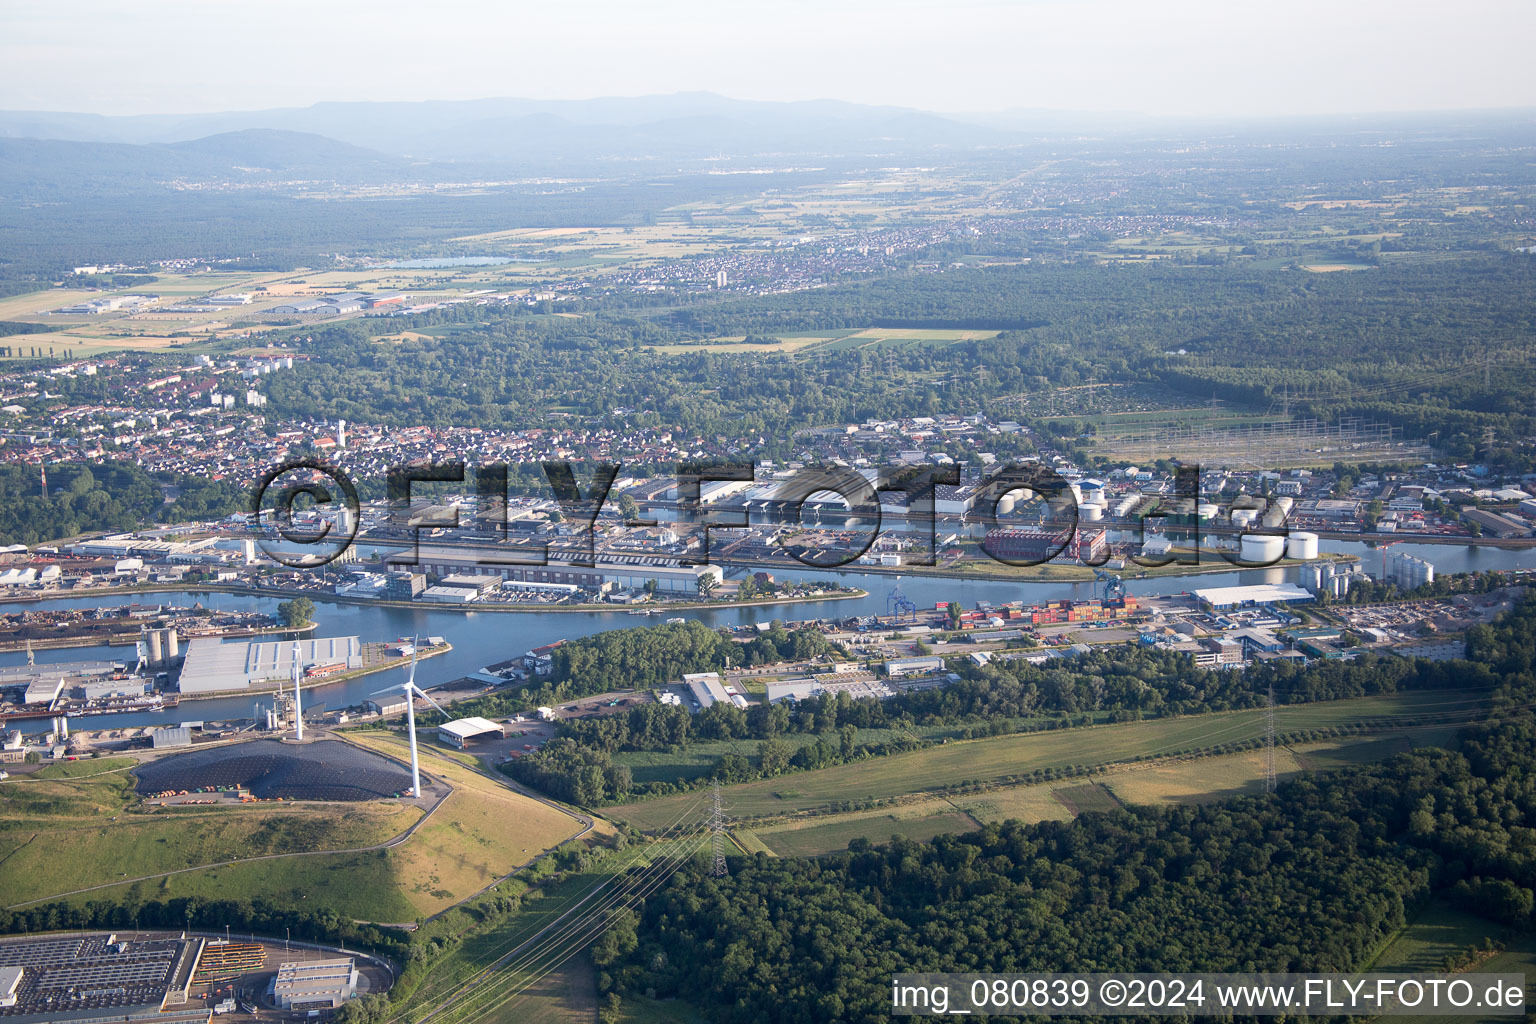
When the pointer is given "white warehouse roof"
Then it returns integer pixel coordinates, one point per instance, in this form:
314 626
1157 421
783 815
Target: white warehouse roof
1263 593
469 728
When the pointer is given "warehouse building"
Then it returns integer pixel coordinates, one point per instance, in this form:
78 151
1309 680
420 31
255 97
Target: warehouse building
913 666
314 984
1222 598
705 689
1496 524
460 732
670 579
213 666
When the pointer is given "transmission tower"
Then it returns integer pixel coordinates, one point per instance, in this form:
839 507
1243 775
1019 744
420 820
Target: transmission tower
717 833
1269 742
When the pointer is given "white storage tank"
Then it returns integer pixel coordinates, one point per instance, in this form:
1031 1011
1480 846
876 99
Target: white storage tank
1302 545
1091 513
1262 549
1207 512
1005 504
1244 516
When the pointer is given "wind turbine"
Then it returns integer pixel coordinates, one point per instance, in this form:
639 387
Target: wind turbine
411 690
298 699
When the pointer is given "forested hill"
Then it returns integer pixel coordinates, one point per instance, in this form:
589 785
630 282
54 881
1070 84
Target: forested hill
1315 877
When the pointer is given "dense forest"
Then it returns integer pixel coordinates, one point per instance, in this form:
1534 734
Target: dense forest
112 497
1314 877
1397 345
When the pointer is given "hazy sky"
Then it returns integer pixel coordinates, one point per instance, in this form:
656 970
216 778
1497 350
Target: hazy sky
1153 56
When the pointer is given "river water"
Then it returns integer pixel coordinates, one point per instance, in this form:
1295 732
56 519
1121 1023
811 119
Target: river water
482 638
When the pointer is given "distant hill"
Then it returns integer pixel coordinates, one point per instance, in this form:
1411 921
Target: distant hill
522 131
32 166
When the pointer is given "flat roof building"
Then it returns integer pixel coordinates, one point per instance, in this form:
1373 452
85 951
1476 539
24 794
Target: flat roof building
913 666
213 665
1218 598
670 579
313 984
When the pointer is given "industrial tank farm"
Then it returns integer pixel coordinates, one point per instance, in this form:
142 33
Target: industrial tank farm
270 769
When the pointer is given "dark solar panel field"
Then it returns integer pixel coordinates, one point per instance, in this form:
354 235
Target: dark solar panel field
323 770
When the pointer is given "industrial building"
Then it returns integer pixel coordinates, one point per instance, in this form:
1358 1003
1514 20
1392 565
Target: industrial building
1495 523
705 689
913 666
1030 545
314 984
1222 598
460 732
329 305
213 666
670 579
170 737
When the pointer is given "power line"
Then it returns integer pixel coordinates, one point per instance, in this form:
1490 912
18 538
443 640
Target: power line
1269 741
717 833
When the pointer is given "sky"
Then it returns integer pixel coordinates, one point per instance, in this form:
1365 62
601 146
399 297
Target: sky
1158 57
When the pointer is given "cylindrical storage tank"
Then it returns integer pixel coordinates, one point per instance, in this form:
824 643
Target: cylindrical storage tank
1206 512
1091 513
1244 516
1302 545
172 645
1284 503
1262 549
156 652
1077 494
1005 504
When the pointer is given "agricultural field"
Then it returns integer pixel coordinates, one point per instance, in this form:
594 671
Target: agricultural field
698 759
1175 780
813 836
1003 757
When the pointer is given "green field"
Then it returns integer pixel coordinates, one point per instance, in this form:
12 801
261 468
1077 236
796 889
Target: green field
63 833
1438 931
1441 930
818 836
999 758
559 995
1170 780
697 760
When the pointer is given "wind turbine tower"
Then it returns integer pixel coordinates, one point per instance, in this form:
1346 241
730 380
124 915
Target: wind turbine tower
298 699
412 691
